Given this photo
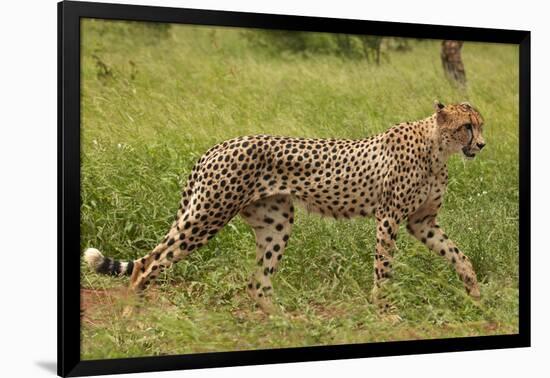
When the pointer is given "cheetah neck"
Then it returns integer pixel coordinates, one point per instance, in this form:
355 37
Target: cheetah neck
434 141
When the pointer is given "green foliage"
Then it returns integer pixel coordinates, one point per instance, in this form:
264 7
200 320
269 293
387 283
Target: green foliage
277 41
307 44
153 102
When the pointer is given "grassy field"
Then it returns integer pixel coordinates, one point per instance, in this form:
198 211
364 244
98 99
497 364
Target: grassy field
155 99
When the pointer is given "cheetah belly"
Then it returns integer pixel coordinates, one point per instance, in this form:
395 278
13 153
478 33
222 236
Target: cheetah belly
362 210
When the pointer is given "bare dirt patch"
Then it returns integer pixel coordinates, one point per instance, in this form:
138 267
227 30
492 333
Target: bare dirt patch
95 302
98 305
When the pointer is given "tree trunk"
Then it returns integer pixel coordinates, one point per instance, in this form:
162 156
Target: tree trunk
452 61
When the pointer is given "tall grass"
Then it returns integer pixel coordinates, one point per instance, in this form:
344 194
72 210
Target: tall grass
155 98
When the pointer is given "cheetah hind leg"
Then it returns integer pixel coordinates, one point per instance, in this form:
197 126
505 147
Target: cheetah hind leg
386 233
271 218
187 234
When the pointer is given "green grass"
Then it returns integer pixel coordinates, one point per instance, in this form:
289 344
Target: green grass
153 100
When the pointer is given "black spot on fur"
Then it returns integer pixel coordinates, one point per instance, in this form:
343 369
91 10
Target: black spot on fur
129 268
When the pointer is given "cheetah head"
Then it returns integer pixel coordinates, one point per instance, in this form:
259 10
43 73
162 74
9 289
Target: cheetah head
460 127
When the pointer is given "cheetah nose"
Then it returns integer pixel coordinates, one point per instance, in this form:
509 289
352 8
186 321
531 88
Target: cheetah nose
480 145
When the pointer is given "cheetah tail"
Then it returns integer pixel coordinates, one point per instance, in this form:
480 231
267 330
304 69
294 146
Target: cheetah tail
107 265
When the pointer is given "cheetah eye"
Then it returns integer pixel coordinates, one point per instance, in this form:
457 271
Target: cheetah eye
468 126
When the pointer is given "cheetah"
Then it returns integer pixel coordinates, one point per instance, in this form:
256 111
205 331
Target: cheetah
397 176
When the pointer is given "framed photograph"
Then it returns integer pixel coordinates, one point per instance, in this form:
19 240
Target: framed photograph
387 162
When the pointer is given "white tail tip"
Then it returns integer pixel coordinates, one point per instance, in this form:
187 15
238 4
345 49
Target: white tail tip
93 257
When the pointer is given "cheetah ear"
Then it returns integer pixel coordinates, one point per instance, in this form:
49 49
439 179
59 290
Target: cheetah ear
466 105
438 106
441 114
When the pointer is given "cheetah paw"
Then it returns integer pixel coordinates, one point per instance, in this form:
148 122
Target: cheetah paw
127 311
391 318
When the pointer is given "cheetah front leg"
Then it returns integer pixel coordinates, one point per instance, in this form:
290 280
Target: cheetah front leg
271 218
424 227
386 234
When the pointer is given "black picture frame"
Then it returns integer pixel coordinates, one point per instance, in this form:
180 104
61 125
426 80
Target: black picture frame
69 15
